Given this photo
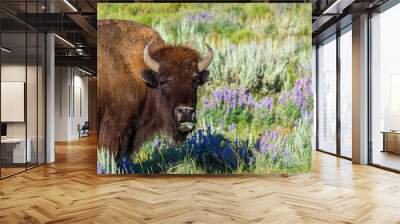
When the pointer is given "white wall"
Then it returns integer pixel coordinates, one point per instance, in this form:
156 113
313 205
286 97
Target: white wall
10 73
16 72
81 89
62 81
71 102
33 126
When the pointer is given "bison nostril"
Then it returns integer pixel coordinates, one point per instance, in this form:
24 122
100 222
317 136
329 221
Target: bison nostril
185 113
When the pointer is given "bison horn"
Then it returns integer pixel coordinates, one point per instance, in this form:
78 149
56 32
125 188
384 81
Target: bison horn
207 60
150 62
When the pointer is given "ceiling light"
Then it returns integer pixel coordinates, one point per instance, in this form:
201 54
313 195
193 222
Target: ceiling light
65 41
70 5
84 71
338 6
5 50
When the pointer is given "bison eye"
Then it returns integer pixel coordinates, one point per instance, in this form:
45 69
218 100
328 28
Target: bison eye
164 80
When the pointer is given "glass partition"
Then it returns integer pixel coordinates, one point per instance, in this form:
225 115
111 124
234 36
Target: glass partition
346 93
41 109
13 105
327 96
385 89
22 78
31 100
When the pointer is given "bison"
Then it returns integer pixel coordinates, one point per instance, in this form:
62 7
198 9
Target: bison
145 86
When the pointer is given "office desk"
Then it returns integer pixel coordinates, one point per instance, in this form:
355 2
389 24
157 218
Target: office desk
13 150
391 141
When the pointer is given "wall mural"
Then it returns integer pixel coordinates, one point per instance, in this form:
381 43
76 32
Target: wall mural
204 88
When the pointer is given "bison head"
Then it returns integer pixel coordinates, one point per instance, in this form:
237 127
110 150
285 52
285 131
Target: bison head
174 76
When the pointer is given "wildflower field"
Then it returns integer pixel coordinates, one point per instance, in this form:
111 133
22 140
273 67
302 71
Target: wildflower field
254 116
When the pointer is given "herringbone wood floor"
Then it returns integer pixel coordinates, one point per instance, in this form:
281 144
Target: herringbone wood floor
70 191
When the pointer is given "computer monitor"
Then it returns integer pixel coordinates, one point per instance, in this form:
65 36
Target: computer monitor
3 129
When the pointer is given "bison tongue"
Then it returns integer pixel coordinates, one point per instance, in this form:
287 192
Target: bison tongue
185 126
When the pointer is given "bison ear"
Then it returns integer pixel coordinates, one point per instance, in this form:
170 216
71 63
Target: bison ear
203 77
150 78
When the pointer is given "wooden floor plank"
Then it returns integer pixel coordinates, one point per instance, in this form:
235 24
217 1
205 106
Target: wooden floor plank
70 191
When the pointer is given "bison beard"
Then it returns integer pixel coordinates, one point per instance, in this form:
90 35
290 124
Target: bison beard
144 89
182 131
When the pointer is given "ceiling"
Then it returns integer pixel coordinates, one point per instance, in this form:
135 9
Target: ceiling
74 22
332 15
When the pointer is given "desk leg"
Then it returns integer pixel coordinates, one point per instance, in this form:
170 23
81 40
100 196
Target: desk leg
384 143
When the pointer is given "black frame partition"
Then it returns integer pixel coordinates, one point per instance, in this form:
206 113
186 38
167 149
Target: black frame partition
333 37
28 53
340 74
318 85
339 29
381 9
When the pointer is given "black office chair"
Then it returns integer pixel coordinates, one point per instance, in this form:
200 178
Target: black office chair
84 130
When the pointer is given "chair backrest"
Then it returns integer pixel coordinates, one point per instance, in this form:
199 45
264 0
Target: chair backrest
86 125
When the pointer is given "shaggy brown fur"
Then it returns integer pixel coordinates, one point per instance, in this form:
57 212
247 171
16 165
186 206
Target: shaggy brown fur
129 111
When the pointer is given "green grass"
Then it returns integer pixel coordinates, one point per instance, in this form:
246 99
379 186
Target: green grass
177 160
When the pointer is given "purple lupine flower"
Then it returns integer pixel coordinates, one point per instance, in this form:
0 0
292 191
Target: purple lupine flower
205 15
157 143
229 99
301 92
250 100
275 134
212 104
308 87
229 95
99 168
299 98
268 142
222 124
299 95
264 148
232 47
286 153
266 103
205 101
218 95
241 100
232 127
281 99
225 94
200 17
233 103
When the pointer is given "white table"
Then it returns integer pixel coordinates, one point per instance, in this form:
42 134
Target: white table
18 149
